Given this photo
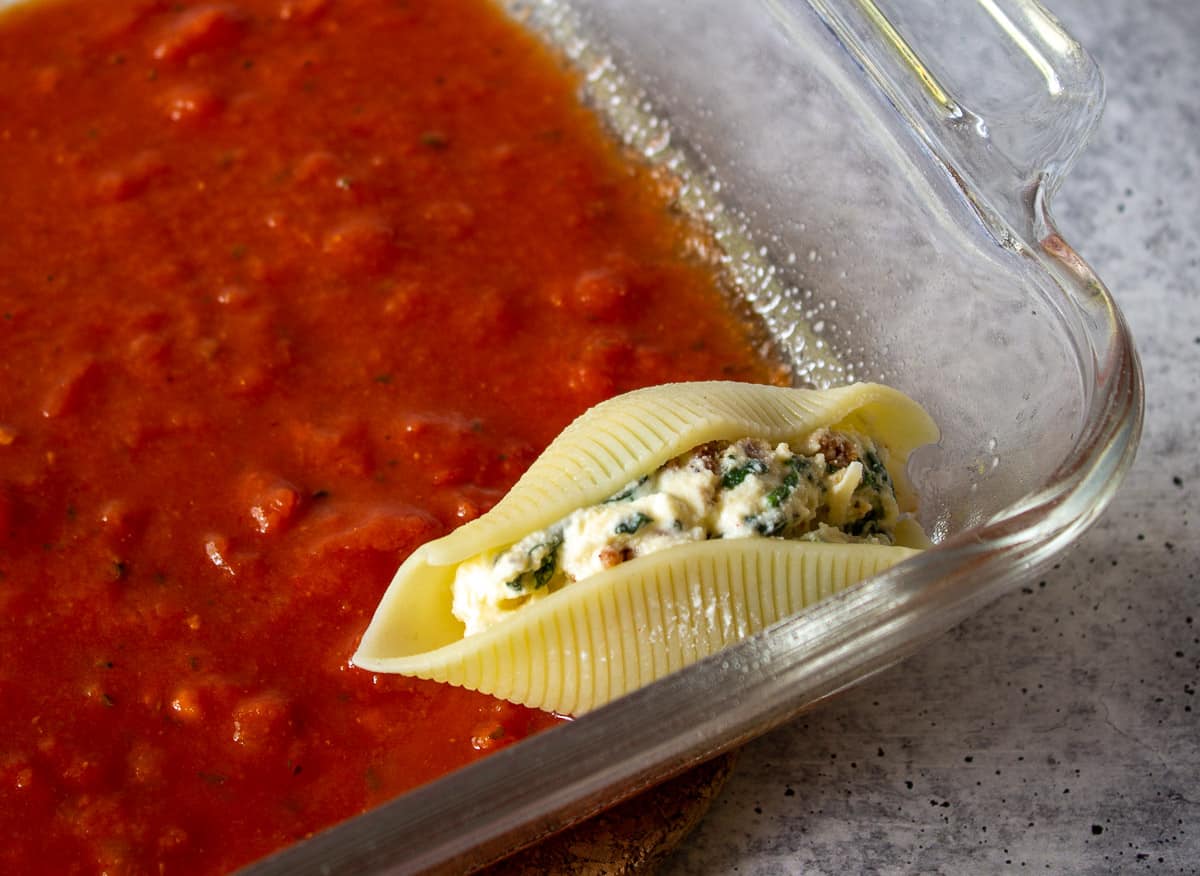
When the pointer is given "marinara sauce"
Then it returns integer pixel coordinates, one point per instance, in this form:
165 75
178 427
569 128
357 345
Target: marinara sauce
287 288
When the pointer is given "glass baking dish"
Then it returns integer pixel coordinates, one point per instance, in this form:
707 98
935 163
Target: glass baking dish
879 174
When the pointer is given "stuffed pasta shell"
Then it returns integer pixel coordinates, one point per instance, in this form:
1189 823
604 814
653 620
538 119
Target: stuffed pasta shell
657 528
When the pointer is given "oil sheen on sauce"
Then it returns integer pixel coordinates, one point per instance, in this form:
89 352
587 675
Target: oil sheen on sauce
287 287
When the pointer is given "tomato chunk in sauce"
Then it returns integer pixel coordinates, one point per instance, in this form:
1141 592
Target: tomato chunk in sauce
287 288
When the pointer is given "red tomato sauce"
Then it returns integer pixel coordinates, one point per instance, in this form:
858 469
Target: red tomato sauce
287 288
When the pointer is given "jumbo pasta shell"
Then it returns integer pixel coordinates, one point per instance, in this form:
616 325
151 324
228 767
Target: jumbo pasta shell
605 635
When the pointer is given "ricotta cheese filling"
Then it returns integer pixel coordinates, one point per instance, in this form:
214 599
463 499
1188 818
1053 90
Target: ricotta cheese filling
832 487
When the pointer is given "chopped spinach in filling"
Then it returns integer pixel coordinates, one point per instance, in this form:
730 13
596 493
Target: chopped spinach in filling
832 486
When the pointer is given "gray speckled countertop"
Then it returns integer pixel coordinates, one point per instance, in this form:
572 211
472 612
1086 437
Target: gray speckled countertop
1059 730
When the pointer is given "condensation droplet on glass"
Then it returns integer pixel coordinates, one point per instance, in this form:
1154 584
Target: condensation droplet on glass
596 73
657 144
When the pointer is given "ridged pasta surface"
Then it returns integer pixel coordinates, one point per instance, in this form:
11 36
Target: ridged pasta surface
633 624
611 633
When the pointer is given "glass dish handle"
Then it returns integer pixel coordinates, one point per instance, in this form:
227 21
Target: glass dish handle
1000 91
1005 98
